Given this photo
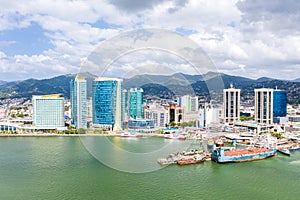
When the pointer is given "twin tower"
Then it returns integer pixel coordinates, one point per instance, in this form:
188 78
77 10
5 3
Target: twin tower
269 104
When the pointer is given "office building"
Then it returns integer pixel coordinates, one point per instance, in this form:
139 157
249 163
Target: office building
48 111
189 103
158 113
263 105
124 108
78 89
231 105
279 103
106 97
136 101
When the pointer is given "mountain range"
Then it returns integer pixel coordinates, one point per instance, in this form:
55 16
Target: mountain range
162 86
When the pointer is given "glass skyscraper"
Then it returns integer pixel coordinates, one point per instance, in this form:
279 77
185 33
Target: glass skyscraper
279 103
48 111
106 95
78 89
136 100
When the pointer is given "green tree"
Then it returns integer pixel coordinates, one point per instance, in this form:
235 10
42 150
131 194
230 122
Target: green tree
81 131
245 118
172 124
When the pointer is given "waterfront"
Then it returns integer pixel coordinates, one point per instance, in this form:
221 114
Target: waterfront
63 168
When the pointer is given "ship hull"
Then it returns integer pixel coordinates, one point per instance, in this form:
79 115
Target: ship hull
219 157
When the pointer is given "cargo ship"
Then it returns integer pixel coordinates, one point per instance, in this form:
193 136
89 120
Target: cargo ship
225 155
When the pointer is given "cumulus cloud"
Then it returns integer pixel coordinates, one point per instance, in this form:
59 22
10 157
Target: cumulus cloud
242 37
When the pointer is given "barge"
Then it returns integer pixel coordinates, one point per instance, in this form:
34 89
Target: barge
225 155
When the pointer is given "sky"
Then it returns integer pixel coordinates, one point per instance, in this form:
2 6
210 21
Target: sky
251 38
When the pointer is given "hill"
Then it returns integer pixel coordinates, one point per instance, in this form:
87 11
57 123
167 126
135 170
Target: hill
162 86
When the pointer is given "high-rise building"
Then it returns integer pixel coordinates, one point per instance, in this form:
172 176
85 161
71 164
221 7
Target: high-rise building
48 111
279 103
189 103
106 97
263 105
124 108
231 104
78 89
136 101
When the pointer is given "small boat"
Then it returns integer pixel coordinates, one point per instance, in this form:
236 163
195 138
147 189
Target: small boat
191 160
138 135
174 136
181 137
284 151
219 143
128 134
171 159
125 134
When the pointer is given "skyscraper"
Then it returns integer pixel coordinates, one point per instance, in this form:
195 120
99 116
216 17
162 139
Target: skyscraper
106 95
78 89
136 100
48 111
279 103
231 105
124 108
263 105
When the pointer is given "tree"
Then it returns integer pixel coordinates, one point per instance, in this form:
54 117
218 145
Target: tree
172 124
245 118
81 131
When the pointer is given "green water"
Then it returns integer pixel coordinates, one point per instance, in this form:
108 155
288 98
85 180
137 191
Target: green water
69 168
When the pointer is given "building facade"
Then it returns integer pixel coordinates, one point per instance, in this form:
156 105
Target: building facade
136 101
263 105
279 103
78 89
106 103
48 111
189 103
231 105
158 113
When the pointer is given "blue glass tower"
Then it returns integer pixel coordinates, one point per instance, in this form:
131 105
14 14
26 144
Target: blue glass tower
279 103
106 95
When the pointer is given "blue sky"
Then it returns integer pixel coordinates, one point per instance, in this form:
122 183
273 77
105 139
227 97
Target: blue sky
43 38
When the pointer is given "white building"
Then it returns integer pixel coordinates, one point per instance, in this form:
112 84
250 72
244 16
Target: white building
158 113
263 105
48 111
210 115
231 105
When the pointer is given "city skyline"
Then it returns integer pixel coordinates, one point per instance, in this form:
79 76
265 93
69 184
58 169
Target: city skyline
252 39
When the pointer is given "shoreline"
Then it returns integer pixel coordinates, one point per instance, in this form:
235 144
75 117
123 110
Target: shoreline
71 135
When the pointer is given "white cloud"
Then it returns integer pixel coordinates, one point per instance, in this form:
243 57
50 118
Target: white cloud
250 38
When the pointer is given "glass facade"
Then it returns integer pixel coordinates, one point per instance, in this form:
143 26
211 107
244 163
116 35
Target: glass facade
279 103
106 95
78 89
141 124
136 100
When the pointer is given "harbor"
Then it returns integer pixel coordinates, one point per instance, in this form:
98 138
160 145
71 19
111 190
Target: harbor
61 167
224 147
